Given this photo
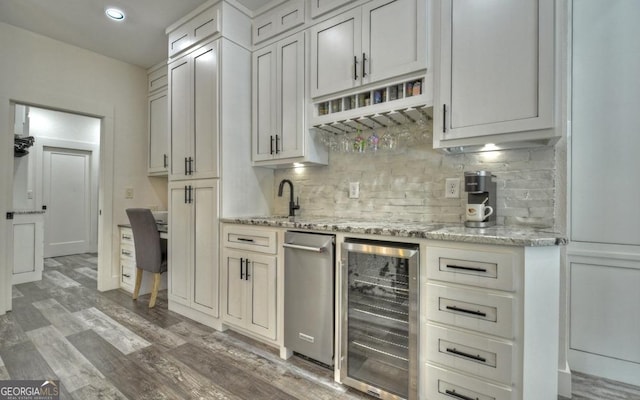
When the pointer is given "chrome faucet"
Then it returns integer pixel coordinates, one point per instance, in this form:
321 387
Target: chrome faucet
292 206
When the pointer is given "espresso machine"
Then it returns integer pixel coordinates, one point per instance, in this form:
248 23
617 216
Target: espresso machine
480 210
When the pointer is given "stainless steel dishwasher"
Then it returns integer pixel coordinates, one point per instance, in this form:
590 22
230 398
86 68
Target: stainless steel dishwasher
309 265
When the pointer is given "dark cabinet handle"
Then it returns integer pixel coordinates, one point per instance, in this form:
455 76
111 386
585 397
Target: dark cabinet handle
277 146
364 60
126 275
246 268
453 393
186 165
241 265
186 196
355 68
271 144
466 355
444 118
190 165
245 240
190 194
464 310
477 269
165 160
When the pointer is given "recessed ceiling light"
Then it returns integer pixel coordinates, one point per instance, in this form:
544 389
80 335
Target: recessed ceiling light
114 14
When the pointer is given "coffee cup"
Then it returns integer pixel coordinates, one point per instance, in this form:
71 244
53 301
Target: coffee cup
478 212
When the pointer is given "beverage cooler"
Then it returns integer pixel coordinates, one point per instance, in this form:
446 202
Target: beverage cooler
379 353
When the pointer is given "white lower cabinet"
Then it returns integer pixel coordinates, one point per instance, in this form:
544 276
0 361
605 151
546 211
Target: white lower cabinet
248 280
491 329
193 249
28 248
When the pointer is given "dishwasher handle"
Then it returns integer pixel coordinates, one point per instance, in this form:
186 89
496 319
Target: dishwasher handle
305 248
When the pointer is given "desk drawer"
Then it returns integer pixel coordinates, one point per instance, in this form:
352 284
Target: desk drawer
470 353
126 236
474 309
246 238
442 384
127 273
127 252
487 269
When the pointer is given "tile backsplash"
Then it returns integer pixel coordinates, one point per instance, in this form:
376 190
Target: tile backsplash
408 184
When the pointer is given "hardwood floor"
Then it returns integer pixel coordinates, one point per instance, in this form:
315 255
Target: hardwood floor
106 346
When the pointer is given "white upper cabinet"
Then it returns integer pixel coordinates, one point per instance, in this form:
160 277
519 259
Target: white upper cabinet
200 27
158 134
279 134
380 40
496 70
287 16
158 121
396 39
321 7
193 86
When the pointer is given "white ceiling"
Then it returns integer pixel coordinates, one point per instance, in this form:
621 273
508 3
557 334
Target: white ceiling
140 39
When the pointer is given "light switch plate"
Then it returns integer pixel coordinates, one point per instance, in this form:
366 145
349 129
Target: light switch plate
128 193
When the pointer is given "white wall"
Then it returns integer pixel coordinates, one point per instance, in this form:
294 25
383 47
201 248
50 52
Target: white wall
41 71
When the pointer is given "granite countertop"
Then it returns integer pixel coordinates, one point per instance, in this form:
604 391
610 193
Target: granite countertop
500 235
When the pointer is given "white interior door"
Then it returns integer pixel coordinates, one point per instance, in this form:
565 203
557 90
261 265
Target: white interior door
67 196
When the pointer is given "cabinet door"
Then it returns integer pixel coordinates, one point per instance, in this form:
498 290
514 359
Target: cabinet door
264 103
234 287
180 248
205 246
180 115
290 95
496 66
393 38
205 109
158 157
335 54
261 301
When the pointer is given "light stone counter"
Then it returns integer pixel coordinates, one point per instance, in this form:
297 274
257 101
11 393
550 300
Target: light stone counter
498 235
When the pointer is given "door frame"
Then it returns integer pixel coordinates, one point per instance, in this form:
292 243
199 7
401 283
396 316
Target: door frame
107 274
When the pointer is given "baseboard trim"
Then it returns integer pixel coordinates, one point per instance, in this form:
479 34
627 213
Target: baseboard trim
564 381
605 367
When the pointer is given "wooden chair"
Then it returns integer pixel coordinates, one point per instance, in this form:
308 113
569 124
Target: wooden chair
151 252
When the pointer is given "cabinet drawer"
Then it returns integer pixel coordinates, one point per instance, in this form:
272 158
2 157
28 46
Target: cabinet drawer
195 30
479 310
475 354
127 273
127 252
253 239
126 236
442 384
494 270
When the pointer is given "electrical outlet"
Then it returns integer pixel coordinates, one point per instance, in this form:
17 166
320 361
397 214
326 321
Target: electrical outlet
354 190
128 193
452 188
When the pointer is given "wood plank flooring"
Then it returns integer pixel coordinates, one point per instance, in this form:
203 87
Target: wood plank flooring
106 346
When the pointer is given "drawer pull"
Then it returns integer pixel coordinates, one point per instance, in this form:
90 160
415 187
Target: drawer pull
466 355
475 269
245 240
464 310
126 253
126 275
126 237
453 393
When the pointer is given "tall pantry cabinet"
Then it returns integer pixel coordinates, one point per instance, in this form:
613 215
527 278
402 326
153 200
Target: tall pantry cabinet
210 173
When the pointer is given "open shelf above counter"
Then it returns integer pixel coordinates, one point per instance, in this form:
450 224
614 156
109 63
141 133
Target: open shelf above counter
398 103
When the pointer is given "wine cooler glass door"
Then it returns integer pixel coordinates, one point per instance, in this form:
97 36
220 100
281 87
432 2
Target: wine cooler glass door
380 320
